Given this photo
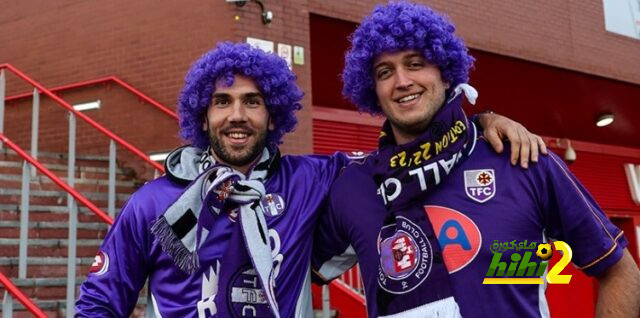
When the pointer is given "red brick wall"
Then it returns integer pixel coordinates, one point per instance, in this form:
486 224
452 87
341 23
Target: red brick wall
568 34
151 44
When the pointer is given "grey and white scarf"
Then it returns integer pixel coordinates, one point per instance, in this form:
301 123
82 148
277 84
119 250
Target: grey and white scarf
183 227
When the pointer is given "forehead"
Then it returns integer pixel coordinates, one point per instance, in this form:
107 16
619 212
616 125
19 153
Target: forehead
391 57
241 84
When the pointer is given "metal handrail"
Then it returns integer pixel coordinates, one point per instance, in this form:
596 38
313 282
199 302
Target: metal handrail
101 80
84 117
26 302
82 199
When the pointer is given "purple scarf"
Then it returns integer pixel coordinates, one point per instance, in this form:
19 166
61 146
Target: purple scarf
410 256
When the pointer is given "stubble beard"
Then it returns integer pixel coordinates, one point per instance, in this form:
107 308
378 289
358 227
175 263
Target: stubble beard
245 158
417 126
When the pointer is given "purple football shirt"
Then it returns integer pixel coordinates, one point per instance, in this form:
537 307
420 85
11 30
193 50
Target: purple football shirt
482 200
226 284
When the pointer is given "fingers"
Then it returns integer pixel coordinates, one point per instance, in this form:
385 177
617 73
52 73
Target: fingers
525 147
494 139
542 145
533 143
514 139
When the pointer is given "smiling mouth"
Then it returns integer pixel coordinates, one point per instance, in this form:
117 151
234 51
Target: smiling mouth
237 137
408 98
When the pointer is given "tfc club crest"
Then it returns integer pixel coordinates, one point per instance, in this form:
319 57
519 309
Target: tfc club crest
480 185
246 296
406 257
100 264
272 204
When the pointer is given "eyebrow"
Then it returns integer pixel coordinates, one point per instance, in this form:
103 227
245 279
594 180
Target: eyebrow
253 95
246 95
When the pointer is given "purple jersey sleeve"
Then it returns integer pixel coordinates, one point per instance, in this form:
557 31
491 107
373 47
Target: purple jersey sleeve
572 215
119 270
331 255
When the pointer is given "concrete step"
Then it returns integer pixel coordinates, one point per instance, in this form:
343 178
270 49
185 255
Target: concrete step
48 213
9 247
41 182
44 267
81 172
53 230
57 308
56 198
7 154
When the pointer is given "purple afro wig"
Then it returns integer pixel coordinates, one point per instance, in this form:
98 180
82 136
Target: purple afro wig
395 27
270 74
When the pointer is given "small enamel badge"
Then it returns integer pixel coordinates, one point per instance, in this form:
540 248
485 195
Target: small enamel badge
480 185
272 204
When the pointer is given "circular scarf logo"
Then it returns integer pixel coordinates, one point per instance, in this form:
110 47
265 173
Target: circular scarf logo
272 204
246 298
406 256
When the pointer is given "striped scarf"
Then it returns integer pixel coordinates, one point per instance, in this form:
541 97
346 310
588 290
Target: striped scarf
184 226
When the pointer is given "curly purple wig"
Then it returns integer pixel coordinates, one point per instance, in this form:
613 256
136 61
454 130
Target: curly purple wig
270 74
395 27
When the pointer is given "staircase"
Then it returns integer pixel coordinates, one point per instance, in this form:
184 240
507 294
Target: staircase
45 282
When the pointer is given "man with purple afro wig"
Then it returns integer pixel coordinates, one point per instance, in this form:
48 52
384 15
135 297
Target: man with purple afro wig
270 74
427 212
227 231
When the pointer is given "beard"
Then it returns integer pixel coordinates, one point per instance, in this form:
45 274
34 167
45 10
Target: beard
227 155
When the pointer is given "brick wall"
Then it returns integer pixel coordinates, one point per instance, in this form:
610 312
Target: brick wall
568 33
151 44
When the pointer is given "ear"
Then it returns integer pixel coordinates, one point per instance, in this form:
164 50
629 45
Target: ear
271 125
205 124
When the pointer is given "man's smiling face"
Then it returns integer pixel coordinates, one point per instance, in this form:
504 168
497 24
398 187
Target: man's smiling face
410 91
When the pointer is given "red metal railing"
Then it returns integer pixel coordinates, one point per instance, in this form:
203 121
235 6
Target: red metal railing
26 302
107 79
75 194
84 117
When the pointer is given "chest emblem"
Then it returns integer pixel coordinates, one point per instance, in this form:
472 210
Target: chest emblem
272 204
459 237
480 185
406 257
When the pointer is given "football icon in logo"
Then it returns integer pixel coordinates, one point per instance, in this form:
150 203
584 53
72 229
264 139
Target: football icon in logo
544 251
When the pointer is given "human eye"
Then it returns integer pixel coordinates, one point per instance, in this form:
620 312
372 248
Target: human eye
416 64
220 101
383 73
254 101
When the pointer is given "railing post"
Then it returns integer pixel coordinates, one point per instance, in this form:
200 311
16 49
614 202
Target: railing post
7 305
151 313
35 115
326 302
111 207
2 90
24 220
73 220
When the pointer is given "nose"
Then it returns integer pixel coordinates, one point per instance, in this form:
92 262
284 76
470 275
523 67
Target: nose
403 80
238 112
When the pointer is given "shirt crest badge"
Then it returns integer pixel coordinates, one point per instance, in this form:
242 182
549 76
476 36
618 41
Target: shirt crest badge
480 185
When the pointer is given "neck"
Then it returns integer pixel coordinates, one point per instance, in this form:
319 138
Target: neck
402 137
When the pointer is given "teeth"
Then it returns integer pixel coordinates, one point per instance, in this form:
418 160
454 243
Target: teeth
408 98
238 135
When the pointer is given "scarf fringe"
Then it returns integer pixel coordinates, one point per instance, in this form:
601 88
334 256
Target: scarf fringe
172 245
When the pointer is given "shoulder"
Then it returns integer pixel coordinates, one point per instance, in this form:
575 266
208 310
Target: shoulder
152 198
